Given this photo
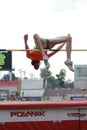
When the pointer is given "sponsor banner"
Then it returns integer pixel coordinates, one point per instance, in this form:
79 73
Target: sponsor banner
78 98
41 115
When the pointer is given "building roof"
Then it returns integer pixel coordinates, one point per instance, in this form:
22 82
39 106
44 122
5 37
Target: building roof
8 83
64 91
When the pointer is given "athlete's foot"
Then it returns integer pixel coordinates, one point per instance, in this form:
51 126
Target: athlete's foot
69 65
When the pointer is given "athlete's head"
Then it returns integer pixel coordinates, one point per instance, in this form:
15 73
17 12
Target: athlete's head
36 64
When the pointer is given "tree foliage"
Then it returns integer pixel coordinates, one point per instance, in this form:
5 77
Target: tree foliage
55 82
61 77
44 73
7 77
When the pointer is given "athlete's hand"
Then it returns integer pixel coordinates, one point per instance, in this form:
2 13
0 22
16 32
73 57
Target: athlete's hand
25 37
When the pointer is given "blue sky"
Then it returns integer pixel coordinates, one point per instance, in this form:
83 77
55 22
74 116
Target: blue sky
48 18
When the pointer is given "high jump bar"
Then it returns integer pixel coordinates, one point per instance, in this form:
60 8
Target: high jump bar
3 50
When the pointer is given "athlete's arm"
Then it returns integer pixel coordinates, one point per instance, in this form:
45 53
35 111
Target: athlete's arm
26 45
25 38
58 49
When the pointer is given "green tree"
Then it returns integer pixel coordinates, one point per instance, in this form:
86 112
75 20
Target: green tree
69 84
7 77
51 82
58 81
61 78
44 73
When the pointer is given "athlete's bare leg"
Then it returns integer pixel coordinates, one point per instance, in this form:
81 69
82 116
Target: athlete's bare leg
53 42
63 39
38 44
40 47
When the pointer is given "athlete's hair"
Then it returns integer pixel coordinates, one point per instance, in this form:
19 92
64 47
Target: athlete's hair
34 62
